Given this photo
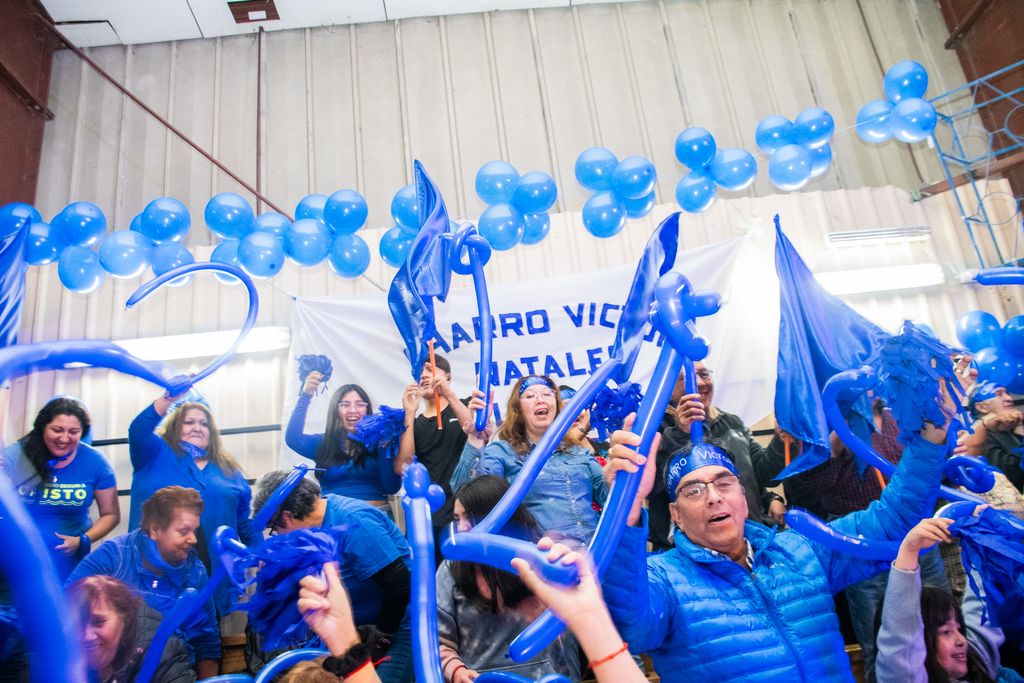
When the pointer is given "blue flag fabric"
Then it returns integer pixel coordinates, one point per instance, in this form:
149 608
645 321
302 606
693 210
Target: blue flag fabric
426 274
819 335
12 283
658 258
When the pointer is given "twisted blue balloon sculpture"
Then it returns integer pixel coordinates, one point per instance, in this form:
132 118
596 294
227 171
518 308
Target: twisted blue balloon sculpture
469 254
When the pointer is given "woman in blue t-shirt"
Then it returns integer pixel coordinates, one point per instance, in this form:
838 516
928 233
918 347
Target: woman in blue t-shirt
58 477
349 468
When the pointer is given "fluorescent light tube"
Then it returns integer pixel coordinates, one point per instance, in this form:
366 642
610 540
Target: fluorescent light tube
200 344
889 278
860 238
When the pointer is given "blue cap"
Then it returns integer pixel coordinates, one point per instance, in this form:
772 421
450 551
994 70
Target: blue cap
693 457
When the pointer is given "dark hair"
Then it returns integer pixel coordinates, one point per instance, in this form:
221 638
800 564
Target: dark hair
300 501
32 444
505 589
513 427
85 593
158 510
337 448
441 363
936 607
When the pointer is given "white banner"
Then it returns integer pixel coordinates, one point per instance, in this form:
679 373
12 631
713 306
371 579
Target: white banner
562 327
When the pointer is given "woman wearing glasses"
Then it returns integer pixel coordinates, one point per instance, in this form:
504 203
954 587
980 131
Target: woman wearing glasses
345 466
562 497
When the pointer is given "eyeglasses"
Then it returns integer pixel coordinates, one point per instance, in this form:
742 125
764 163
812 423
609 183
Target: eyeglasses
349 405
705 374
692 491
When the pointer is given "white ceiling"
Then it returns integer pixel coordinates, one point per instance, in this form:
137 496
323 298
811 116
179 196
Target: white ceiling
90 23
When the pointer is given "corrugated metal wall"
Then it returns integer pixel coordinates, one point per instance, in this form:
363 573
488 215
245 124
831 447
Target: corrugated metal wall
352 106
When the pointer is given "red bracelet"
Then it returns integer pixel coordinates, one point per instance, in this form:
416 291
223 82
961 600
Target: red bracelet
605 660
457 669
358 669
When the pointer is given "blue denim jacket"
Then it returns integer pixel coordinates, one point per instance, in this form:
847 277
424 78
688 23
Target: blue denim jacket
562 496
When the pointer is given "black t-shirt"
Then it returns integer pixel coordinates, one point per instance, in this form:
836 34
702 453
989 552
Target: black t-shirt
439 451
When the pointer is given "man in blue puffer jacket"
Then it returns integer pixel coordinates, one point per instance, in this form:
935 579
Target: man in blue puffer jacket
735 600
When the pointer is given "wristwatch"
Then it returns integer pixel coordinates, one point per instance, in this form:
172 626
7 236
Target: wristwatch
344 666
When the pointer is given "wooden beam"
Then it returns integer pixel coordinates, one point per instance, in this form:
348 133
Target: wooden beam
995 168
967 23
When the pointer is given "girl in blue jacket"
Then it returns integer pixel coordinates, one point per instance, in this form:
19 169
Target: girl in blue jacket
349 468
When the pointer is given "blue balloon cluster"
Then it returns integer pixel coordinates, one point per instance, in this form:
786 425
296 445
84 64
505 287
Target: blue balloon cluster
394 244
903 114
517 211
710 167
622 189
998 349
798 150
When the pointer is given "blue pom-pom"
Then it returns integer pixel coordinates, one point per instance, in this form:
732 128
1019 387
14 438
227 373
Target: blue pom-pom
612 406
382 431
910 367
283 561
992 544
315 362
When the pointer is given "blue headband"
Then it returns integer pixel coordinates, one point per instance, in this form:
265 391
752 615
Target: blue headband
533 380
693 458
983 391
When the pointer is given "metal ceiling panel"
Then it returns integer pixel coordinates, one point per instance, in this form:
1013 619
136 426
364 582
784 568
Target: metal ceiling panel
214 16
132 21
403 9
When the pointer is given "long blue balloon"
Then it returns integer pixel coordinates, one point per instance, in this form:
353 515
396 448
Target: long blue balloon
673 312
808 525
420 500
509 677
1006 275
478 252
250 316
285 661
863 379
498 551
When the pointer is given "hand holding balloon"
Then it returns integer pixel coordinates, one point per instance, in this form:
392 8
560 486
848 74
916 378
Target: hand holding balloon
476 436
926 534
689 409
623 456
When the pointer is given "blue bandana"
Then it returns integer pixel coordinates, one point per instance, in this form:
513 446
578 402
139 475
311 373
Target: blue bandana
192 450
533 380
692 458
981 391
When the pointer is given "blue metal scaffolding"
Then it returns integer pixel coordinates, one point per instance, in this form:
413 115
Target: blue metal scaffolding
959 119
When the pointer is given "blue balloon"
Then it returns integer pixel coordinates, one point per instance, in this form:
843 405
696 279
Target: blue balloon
535 192
695 191
79 223
405 209
873 121
813 127
594 168
311 206
307 241
40 247
821 159
634 178
79 269
136 225
912 120
166 257
977 330
790 168
773 132
638 208
537 227
394 246
273 222
13 217
1013 335
261 254
125 254
604 214
345 211
165 220
1017 385
905 80
229 215
733 168
496 182
502 226
227 252
349 257
695 147
996 365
